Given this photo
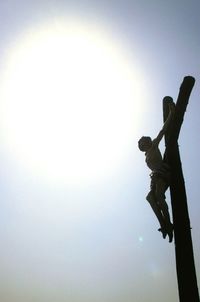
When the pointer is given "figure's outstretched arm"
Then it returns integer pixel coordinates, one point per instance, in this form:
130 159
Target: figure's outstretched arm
157 140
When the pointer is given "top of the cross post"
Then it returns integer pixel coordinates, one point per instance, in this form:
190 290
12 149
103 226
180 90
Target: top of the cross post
189 78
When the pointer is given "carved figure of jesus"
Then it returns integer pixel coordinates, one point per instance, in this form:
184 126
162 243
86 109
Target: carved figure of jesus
160 176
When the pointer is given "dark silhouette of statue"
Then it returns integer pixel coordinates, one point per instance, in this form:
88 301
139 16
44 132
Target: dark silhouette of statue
160 176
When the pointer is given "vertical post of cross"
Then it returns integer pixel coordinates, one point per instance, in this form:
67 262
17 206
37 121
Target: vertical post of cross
185 267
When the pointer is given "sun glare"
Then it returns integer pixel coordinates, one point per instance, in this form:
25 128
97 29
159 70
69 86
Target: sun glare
69 103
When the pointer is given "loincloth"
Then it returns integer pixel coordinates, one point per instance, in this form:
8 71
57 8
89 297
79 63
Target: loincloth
162 173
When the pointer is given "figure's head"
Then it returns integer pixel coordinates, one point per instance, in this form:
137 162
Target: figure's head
144 143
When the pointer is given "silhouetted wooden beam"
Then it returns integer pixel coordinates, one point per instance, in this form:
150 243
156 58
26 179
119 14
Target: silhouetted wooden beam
185 267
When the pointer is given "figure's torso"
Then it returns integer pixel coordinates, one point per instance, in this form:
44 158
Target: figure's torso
154 158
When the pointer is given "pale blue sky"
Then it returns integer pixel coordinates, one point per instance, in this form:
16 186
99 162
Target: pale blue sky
104 245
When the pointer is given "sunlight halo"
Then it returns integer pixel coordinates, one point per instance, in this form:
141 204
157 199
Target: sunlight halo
69 103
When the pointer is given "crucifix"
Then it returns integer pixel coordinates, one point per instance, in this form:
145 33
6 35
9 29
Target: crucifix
167 173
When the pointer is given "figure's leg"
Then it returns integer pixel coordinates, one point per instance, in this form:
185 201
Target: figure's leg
161 188
151 198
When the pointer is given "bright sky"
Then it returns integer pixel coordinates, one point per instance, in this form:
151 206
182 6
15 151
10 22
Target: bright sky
80 82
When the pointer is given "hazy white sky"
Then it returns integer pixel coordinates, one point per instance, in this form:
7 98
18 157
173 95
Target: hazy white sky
95 240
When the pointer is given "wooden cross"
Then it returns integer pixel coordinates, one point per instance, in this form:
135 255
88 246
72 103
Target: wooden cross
185 267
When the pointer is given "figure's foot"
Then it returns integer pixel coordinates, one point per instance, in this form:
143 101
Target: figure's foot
170 236
163 231
170 232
